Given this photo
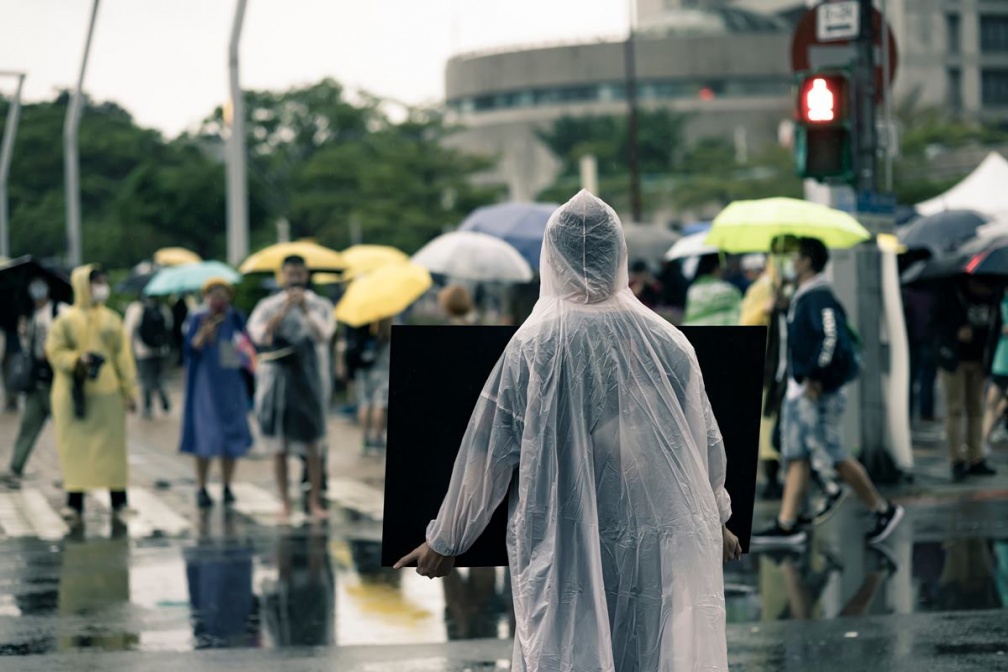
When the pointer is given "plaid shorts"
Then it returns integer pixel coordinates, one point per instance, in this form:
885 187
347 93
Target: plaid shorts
811 430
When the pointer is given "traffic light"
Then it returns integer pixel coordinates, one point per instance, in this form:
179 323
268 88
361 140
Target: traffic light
823 126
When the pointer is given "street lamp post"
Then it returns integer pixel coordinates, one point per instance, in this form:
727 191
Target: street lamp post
633 158
71 160
6 151
237 188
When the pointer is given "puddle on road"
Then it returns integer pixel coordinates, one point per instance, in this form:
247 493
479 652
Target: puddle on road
227 589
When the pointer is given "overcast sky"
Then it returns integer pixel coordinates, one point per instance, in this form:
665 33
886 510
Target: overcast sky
166 60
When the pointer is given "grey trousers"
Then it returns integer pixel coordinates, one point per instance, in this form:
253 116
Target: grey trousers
37 410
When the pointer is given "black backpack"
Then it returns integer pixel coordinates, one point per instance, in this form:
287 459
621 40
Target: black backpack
153 328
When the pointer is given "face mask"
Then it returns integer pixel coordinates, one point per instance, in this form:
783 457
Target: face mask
788 271
218 305
38 291
100 293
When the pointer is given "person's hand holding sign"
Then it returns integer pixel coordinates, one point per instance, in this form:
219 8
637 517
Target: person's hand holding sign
429 562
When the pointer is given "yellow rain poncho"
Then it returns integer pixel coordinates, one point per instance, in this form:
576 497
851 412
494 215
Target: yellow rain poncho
92 449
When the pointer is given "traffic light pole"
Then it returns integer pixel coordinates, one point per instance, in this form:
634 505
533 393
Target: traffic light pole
874 453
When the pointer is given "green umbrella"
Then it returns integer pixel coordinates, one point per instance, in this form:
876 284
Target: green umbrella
188 277
746 226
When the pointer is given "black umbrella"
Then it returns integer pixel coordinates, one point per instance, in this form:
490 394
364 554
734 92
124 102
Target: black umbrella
14 278
982 258
942 231
135 283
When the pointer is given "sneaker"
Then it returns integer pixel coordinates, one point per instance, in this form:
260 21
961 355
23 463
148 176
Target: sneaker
70 515
11 481
229 497
166 405
775 535
124 513
885 523
829 506
959 472
981 468
203 499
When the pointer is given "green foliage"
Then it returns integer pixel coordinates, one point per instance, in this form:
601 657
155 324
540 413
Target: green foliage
315 157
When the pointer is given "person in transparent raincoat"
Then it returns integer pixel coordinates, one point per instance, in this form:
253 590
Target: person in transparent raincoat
617 507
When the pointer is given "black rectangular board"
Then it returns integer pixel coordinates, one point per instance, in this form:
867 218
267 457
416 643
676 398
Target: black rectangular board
437 375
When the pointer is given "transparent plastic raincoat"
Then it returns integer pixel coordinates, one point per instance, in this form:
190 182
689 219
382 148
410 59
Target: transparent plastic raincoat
598 410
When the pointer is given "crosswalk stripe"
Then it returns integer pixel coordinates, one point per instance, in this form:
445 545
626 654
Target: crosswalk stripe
357 496
12 521
151 515
261 505
46 521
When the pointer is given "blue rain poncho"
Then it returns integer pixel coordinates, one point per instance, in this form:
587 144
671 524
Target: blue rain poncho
596 423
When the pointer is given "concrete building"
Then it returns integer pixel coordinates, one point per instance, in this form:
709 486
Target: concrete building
727 68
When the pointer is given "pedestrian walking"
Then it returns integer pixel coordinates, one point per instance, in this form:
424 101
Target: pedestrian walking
215 418
997 392
918 306
295 326
149 324
36 406
710 300
457 305
93 388
644 285
597 409
963 320
822 359
372 385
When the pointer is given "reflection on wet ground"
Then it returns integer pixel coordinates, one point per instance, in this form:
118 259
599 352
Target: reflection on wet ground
233 586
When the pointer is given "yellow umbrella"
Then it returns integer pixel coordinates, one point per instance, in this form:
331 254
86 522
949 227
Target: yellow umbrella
362 259
175 256
270 259
327 278
383 293
747 226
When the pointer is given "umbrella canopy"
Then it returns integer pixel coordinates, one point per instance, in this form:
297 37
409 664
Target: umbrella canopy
696 227
15 275
468 255
693 245
647 242
943 231
135 283
984 258
270 259
175 256
520 224
361 259
749 226
188 277
383 293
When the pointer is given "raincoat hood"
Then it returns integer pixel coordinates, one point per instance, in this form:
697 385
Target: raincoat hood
584 253
80 280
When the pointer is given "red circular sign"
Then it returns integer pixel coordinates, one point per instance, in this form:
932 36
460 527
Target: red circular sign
808 52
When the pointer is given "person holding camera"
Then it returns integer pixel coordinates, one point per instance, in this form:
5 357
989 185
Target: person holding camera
36 408
93 387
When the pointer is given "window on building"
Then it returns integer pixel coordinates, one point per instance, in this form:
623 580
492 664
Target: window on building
994 87
954 92
994 32
953 30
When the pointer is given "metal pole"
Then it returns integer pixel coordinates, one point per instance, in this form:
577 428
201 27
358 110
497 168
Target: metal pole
6 152
630 63
71 161
887 99
874 453
237 191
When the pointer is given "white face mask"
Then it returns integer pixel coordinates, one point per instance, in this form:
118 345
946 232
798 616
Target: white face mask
788 271
100 293
38 291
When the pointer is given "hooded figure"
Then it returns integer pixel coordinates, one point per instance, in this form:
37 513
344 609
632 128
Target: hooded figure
595 421
92 448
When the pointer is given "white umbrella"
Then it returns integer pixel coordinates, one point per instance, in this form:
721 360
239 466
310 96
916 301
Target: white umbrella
690 246
469 255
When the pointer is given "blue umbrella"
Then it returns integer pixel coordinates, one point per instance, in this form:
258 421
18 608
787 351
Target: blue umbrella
520 224
188 277
696 227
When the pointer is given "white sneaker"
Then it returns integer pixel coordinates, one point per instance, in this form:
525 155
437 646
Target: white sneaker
70 515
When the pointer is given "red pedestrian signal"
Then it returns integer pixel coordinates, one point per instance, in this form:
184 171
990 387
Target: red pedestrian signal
823 135
823 99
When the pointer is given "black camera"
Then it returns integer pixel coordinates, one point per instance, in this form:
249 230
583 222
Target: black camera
95 362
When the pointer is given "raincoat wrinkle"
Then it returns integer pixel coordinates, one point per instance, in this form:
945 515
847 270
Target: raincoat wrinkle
596 423
92 449
215 418
292 392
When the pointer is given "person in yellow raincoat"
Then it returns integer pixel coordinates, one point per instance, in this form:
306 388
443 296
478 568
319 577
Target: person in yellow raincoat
93 387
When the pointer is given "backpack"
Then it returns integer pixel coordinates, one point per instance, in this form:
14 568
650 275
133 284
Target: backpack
153 329
846 364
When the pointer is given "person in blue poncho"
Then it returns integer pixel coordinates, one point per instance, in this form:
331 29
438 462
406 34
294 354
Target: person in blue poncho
215 420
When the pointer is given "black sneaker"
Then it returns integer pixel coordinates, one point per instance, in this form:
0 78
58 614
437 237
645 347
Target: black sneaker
229 497
885 523
981 468
203 499
959 471
829 506
775 535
